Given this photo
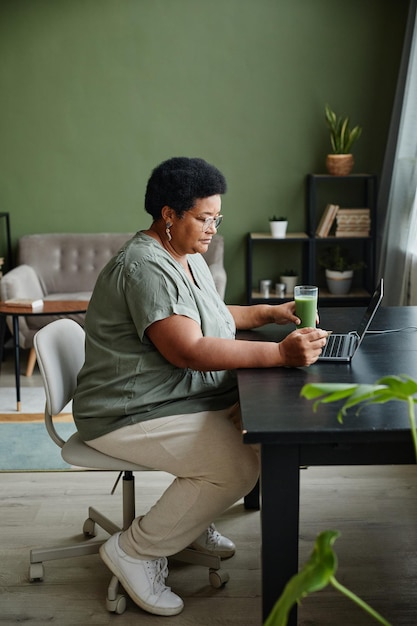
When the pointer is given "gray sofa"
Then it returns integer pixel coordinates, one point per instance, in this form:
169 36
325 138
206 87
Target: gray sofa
65 266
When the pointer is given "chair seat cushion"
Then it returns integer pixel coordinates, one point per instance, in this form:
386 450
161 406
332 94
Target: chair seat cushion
76 452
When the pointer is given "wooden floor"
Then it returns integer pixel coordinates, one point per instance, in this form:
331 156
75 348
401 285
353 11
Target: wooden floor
374 508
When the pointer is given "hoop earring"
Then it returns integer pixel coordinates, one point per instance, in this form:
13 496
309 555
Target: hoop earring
168 232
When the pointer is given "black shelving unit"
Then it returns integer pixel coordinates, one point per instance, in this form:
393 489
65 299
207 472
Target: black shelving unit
7 241
353 191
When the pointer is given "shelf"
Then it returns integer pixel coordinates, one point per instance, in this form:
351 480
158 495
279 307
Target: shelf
354 294
256 295
288 237
332 239
349 176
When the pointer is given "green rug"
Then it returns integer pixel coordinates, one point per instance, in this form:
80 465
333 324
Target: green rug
27 446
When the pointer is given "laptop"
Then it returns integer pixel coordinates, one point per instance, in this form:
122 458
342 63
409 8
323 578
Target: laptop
340 348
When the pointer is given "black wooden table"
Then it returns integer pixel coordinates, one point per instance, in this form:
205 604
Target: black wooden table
292 435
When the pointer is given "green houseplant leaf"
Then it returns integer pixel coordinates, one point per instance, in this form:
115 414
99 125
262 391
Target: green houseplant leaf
388 388
342 137
317 573
338 259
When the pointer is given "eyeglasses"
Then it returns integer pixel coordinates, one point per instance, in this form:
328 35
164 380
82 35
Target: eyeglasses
208 222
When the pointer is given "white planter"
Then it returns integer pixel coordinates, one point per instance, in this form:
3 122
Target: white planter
278 229
290 282
339 283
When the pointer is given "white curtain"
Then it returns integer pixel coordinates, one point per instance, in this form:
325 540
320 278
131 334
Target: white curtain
398 255
410 295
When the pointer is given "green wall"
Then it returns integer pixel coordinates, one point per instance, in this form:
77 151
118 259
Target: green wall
95 93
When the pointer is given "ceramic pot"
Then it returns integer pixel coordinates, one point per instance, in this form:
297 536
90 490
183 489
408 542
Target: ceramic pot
289 282
339 164
278 229
339 283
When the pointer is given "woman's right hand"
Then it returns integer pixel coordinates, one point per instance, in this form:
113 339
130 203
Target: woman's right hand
302 347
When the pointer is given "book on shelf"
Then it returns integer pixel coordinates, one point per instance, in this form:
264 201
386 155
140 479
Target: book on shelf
24 303
356 211
351 233
327 220
353 223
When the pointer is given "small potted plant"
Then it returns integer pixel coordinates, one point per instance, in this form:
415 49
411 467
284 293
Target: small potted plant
278 226
289 278
339 269
342 138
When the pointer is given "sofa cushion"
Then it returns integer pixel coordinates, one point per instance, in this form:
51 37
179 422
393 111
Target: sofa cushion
69 262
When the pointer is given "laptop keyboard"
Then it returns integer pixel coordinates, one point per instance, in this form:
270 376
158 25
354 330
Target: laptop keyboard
334 346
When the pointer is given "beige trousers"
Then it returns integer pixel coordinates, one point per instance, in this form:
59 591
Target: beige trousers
212 466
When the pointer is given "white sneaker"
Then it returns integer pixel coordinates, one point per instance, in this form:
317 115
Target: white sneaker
144 581
212 542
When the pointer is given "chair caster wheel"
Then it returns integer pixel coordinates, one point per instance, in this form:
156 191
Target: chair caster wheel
218 578
36 572
89 528
115 601
118 605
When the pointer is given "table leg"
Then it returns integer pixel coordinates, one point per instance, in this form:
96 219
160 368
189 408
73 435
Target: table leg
280 502
16 359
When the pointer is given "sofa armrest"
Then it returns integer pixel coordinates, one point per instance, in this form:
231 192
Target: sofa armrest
214 259
21 282
220 278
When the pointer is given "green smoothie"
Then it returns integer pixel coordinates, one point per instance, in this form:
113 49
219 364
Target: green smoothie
306 310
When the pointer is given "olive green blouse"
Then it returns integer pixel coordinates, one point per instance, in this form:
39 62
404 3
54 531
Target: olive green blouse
125 379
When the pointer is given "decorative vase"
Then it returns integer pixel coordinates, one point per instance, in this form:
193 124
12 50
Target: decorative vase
289 282
278 229
339 283
339 164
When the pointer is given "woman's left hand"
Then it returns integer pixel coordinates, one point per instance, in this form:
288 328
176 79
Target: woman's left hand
285 313
257 315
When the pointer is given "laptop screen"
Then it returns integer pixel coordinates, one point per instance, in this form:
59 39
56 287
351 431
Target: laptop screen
371 310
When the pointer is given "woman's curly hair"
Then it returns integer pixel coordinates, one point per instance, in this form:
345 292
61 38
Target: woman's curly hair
179 182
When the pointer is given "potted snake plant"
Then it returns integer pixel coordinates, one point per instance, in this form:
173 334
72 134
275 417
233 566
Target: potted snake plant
340 162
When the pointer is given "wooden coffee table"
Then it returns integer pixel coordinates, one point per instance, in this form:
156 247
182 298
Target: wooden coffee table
50 307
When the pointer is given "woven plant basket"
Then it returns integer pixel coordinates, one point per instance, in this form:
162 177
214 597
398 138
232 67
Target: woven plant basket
339 164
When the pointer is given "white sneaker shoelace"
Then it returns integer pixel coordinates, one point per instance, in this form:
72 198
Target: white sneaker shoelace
213 536
158 572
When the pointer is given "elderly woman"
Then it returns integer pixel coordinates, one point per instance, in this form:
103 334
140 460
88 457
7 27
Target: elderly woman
158 387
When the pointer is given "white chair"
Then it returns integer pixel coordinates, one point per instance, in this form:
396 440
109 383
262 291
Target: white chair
59 349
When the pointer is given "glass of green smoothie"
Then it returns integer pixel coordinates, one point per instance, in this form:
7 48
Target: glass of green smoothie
305 297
